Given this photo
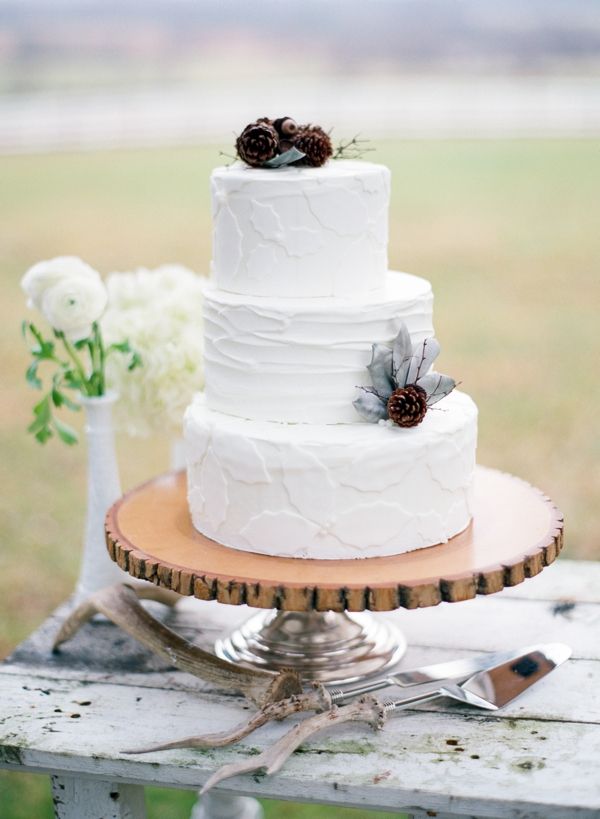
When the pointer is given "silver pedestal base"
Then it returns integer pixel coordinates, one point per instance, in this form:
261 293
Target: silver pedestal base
325 646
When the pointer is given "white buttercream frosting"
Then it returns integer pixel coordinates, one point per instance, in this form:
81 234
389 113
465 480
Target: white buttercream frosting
279 462
331 491
300 360
300 232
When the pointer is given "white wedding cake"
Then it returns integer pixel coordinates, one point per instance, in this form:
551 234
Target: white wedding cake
284 456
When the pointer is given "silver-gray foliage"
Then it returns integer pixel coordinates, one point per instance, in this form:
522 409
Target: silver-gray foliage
286 158
399 366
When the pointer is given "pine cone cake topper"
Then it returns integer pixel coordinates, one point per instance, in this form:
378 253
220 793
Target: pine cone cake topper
275 143
403 388
315 144
258 143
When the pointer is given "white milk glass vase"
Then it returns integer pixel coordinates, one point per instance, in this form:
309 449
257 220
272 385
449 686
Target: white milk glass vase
103 489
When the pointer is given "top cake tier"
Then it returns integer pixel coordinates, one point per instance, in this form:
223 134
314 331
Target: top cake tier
300 232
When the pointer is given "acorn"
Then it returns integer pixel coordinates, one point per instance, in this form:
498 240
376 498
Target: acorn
286 127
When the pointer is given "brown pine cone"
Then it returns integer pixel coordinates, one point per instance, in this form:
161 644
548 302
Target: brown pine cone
313 141
257 143
407 406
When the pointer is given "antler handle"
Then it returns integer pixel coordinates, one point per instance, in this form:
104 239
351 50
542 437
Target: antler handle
120 604
366 709
317 700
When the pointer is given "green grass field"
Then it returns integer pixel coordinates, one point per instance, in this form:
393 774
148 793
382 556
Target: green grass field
507 231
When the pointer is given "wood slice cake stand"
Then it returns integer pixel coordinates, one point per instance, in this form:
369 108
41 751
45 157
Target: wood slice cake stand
318 621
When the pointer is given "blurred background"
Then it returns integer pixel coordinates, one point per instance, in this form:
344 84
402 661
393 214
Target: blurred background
112 115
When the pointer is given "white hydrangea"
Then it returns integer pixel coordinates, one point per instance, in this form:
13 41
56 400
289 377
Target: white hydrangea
160 313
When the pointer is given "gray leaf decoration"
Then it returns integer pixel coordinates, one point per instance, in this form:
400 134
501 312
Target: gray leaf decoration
423 357
437 386
380 370
286 158
370 407
397 368
401 356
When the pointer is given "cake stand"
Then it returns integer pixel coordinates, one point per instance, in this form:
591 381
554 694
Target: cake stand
318 620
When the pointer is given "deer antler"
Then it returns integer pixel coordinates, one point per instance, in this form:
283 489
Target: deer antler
319 699
366 709
120 604
95 603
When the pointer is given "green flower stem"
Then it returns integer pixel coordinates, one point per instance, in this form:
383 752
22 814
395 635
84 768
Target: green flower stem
72 353
93 380
70 375
100 368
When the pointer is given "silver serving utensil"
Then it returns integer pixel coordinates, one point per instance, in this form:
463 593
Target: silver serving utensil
452 670
489 689
497 686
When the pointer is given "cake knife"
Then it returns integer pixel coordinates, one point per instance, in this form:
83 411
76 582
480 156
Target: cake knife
490 689
497 686
450 671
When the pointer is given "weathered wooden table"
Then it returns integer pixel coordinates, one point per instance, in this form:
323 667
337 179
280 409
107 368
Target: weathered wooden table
69 715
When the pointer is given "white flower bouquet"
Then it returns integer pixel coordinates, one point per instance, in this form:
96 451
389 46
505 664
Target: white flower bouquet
71 297
159 312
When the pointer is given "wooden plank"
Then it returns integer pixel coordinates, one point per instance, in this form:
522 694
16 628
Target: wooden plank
545 701
453 761
494 623
102 652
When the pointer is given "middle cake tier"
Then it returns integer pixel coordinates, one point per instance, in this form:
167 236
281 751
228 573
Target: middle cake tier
300 360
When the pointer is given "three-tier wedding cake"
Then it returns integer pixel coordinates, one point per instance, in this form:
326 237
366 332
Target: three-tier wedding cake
287 454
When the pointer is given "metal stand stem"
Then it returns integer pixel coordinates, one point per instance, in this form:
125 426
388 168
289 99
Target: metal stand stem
325 646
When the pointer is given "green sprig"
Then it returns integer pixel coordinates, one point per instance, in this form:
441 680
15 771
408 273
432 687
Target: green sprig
81 367
354 148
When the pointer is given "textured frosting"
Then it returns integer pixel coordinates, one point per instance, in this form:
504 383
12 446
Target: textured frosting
299 360
300 232
331 491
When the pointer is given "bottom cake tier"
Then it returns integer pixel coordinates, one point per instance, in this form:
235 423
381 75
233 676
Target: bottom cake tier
332 491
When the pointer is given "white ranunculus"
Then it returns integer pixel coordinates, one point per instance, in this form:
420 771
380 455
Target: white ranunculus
160 313
72 305
46 274
68 292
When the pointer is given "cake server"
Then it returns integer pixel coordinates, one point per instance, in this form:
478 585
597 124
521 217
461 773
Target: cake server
496 687
451 671
490 689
